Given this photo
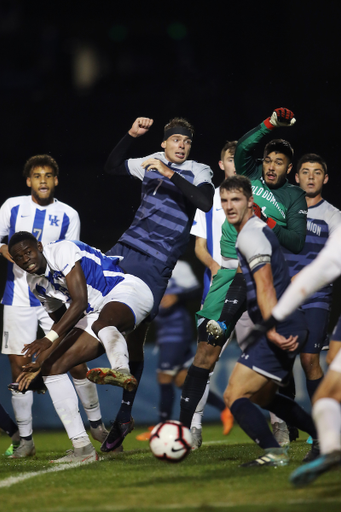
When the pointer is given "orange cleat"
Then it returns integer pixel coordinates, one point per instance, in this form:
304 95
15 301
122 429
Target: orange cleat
227 420
145 436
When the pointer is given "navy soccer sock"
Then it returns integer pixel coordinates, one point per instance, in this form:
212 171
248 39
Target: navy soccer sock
6 422
216 401
251 419
128 397
293 414
166 401
192 391
312 386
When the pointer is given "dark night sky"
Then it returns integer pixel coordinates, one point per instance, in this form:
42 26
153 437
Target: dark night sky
224 67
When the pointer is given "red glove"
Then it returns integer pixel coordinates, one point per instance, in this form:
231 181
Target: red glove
280 117
268 220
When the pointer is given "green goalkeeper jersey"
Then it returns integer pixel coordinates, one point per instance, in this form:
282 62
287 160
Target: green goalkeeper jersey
286 205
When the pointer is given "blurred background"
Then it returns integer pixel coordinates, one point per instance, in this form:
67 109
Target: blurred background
75 75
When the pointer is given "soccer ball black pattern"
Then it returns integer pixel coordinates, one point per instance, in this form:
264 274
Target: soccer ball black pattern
170 441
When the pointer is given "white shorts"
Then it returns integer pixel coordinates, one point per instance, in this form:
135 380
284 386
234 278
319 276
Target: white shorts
335 365
20 327
133 292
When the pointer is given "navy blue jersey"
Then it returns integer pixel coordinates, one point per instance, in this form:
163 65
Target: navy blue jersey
323 218
256 246
164 218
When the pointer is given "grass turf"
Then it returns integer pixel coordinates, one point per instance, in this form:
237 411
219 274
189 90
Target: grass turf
209 479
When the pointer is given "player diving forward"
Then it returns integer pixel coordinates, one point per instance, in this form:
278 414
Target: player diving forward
104 302
267 364
326 401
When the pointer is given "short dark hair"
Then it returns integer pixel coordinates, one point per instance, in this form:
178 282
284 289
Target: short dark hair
279 146
20 236
179 121
312 158
241 183
229 146
40 161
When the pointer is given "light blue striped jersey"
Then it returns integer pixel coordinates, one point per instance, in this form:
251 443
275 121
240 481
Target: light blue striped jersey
163 220
256 246
101 272
323 219
174 324
57 221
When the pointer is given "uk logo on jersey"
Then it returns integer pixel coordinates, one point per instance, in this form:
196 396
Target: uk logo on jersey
53 220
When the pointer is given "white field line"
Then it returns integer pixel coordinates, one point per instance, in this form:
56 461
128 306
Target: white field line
12 480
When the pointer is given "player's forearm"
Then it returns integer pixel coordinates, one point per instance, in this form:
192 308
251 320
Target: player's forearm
115 161
202 253
71 316
266 299
291 239
201 197
244 160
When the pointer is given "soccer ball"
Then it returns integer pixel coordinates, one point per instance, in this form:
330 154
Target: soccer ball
170 441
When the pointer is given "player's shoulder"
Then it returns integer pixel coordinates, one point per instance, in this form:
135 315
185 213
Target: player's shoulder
16 201
64 207
294 190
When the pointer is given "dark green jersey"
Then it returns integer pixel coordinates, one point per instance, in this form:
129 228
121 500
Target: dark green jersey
286 205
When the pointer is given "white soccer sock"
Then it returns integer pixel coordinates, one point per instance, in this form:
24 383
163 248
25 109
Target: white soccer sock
115 346
87 392
22 407
274 418
65 401
327 417
199 411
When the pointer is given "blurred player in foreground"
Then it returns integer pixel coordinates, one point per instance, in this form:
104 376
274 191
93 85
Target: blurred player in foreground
327 398
49 220
104 302
8 425
267 364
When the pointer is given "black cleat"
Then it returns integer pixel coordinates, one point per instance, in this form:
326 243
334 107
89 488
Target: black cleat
116 435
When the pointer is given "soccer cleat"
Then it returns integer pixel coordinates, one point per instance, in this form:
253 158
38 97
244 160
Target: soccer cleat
116 435
145 436
112 377
309 440
227 420
196 437
11 449
309 472
281 433
314 452
216 331
85 454
99 433
25 449
271 457
35 385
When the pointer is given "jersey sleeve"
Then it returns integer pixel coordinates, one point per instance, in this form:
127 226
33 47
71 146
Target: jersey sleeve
65 254
244 159
5 220
183 279
255 247
134 166
203 175
292 237
199 225
335 221
73 232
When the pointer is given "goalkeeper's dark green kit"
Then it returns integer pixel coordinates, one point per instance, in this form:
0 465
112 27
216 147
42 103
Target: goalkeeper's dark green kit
285 205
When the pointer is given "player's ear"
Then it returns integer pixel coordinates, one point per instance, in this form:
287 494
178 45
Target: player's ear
289 168
40 246
326 179
28 182
221 165
163 144
297 179
56 181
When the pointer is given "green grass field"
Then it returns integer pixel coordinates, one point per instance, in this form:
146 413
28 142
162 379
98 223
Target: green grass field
209 479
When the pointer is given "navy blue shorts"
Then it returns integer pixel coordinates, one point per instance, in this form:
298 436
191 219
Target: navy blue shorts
269 360
317 322
152 271
173 357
